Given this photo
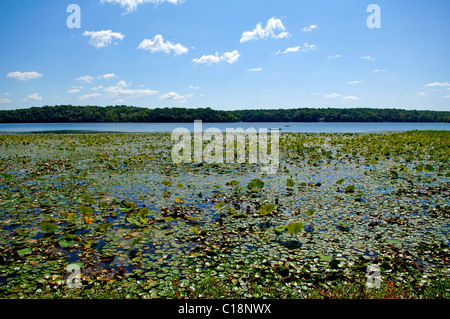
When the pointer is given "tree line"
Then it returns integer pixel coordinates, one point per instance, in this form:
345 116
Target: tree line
122 113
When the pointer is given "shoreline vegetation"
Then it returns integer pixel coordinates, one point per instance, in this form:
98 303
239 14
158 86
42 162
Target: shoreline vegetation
116 114
136 225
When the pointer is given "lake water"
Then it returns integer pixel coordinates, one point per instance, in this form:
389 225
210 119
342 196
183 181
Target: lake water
169 127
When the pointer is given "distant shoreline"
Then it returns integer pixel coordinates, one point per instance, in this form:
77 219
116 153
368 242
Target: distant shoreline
130 114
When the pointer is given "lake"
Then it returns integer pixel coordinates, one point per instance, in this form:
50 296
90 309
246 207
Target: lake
169 127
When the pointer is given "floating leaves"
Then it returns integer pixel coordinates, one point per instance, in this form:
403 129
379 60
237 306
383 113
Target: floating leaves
255 185
294 228
310 212
290 182
266 209
350 189
219 228
67 240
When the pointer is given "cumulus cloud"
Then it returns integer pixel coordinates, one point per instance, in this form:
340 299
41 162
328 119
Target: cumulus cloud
34 97
86 78
23 76
173 96
229 57
131 5
103 38
304 48
73 91
274 29
4 101
310 28
208 59
157 44
421 94
121 89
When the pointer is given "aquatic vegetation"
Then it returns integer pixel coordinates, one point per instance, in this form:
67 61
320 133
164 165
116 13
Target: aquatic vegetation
145 227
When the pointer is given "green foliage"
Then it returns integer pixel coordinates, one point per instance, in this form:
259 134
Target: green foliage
339 182
48 227
67 240
23 252
310 212
266 209
350 189
122 113
280 229
87 211
290 182
294 228
255 185
167 183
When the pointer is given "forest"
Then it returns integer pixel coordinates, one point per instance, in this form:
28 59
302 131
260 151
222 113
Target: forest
122 113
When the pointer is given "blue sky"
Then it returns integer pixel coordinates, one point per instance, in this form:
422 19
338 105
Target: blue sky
225 54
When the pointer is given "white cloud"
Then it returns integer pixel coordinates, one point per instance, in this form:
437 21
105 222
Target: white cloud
157 44
337 56
4 101
332 96
96 88
304 48
86 78
310 28
351 98
447 96
421 94
355 82
23 76
121 89
229 57
368 58
108 76
194 87
72 91
438 84
208 59
6 94
255 70
274 29
173 96
131 5
34 97
89 96
380 70
103 38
